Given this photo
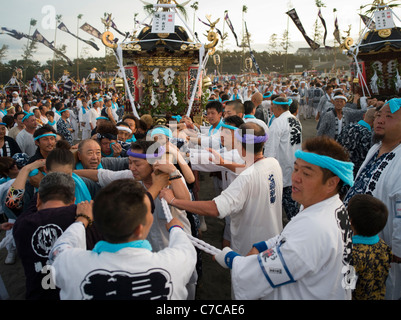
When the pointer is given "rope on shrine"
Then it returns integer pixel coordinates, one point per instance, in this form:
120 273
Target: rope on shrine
201 245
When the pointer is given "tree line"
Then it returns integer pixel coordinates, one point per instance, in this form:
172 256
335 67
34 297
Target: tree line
230 62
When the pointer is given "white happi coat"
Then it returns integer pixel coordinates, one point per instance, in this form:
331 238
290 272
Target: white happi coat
254 203
85 118
135 273
385 185
285 137
305 262
199 160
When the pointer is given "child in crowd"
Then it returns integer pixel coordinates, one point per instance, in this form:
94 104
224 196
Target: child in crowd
371 255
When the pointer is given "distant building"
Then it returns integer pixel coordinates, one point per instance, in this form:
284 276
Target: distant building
307 52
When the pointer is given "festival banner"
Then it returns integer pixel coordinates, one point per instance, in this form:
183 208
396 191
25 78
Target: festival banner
324 26
336 32
368 22
230 25
131 73
37 36
294 16
14 33
92 31
192 75
64 28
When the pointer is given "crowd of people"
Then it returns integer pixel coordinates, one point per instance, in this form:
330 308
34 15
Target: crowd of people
106 206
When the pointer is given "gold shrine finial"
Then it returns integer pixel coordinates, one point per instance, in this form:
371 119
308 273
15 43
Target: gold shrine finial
107 36
379 3
212 36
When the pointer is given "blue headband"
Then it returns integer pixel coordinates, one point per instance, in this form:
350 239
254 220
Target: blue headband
27 116
178 118
250 138
344 170
162 150
102 118
61 111
227 126
395 104
289 102
267 94
165 131
45 135
3 124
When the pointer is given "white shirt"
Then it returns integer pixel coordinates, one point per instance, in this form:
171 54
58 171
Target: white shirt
26 142
304 262
199 160
85 118
79 273
253 201
94 115
285 137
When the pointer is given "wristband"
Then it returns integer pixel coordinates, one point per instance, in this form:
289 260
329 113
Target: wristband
174 178
175 226
90 221
171 202
225 257
174 173
33 173
260 246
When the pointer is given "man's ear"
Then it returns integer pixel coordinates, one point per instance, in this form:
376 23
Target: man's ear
332 183
138 232
38 201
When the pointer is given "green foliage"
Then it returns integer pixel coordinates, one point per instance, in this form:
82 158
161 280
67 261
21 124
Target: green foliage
164 100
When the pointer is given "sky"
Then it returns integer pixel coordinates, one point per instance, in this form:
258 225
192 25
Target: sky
263 18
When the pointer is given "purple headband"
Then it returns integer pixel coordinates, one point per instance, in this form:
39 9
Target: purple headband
162 150
250 138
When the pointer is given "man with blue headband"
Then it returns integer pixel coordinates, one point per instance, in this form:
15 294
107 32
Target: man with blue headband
285 137
310 258
252 200
380 176
45 140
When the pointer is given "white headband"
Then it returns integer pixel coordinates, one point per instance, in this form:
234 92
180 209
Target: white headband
124 129
340 97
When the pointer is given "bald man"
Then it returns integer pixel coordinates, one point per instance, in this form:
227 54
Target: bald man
260 113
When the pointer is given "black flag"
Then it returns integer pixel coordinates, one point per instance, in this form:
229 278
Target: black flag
337 31
92 31
37 36
15 34
64 28
324 26
366 20
230 25
294 16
